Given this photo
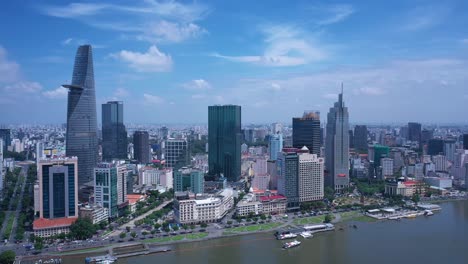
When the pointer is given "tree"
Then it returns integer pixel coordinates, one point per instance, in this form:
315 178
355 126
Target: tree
7 257
328 218
133 234
175 228
263 217
415 198
82 229
203 225
123 235
185 227
192 227
329 193
38 243
144 233
229 222
157 226
102 225
153 232
127 228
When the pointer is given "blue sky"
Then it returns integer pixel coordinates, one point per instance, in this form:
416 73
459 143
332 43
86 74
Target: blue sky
399 61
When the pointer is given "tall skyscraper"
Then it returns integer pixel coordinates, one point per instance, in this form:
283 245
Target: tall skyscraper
224 141
141 146
449 149
465 141
351 138
435 146
337 146
414 132
306 131
176 153
300 176
360 138
426 135
1 166
275 146
114 134
5 135
39 151
81 117
58 188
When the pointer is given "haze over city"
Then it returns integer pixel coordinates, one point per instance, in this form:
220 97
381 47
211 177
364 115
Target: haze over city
167 60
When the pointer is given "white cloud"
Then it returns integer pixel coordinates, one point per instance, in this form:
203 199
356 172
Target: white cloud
9 70
171 32
198 85
285 46
464 41
67 41
58 93
424 17
153 21
275 86
152 99
198 96
23 87
121 93
330 96
369 91
337 13
152 61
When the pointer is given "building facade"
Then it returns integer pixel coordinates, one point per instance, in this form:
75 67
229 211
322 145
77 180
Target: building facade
105 187
81 138
275 146
114 133
224 141
306 132
311 181
141 150
189 179
337 146
176 153
360 138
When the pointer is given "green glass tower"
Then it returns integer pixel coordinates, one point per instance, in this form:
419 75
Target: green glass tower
224 141
379 153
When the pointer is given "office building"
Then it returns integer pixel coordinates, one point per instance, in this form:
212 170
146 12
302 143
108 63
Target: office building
81 139
440 162
414 132
377 152
275 146
123 173
114 133
150 176
224 141
288 180
105 187
449 149
260 166
58 196
435 146
96 214
176 153
39 151
311 181
465 141
141 147
276 128
1 167
387 167
191 209
337 146
5 136
426 135
360 138
306 132
189 179
261 182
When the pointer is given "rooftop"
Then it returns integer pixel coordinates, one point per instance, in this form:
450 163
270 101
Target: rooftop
50 223
134 198
271 198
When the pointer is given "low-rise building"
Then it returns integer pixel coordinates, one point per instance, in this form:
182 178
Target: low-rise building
274 204
249 205
96 214
406 188
133 199
445 183
193 209
43 227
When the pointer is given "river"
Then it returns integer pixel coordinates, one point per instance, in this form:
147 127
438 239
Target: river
441 238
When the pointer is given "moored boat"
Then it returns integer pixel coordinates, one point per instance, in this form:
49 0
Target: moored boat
291 244
306 234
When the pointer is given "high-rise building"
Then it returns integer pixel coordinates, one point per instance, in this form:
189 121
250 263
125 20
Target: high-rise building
465 141
435 146
58 188
81 140
351 138
39 151
449 149
337 146
276 128
276 145
114 134
105 187
5 135
189 179
377 152
224 141
414 132
141 146
176 153
122 179
300 176
440 162
426 135
387 167
360 138
1 166
306 132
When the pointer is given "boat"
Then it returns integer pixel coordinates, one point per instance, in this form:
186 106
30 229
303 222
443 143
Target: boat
306 234
291 244
428 213
100 260
397 218
411 216
286 236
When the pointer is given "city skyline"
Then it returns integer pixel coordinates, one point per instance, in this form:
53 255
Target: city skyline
173 54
